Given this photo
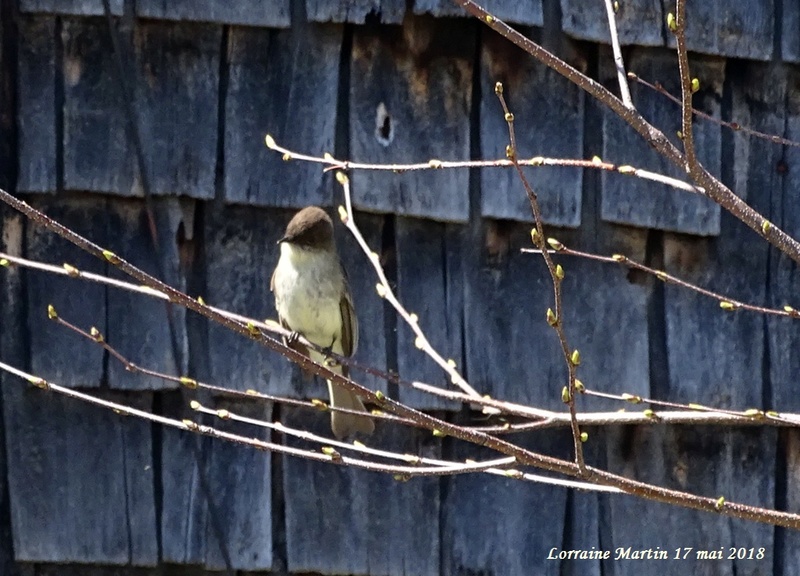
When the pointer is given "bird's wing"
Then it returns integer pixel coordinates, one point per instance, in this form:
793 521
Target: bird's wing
349 321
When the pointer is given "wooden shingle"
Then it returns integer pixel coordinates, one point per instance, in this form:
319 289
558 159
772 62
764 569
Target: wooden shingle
486 517
410 100
734 463
216 489
356 11
733 29
178 91
510 350
370 308
548 120
790 32
269 13
429 285
784 282
57 353
36 104
97 477
639 22
527 12
241 253
790 450
361 522
98 156
175 91
139 326
284 83
12 348
71 7
716 357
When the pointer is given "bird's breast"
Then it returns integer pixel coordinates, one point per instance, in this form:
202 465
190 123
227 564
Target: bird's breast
308 291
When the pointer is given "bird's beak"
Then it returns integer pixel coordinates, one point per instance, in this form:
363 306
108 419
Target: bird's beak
281 240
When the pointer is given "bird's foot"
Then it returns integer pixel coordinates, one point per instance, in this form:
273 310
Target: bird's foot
330 360
292 338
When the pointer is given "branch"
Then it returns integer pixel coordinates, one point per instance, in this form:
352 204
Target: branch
735 126
385 291
725 302
715 189
677 24
554 319
686 414
595 163
490 467
619 64
523 456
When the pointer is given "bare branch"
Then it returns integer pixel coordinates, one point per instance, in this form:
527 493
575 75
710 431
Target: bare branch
554 319
385 291
715 189
595 163
726 302
677 25
619 64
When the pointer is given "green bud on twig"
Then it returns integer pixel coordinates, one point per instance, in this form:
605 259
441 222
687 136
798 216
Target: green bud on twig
111 257
672 23
190 383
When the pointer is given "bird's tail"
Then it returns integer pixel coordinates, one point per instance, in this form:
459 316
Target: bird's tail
344 424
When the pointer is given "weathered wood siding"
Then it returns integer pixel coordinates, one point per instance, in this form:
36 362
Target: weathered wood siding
87 491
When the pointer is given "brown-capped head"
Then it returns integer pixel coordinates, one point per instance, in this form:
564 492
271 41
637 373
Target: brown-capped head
310 228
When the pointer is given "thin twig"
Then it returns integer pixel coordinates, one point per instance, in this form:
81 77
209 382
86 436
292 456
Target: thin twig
328 456
499 466
619 63
385 291
95 336
731 416
735 126
726 302
595 163
554 319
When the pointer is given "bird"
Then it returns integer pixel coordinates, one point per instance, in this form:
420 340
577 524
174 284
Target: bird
312 298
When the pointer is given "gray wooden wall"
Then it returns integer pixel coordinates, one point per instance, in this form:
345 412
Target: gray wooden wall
83 491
